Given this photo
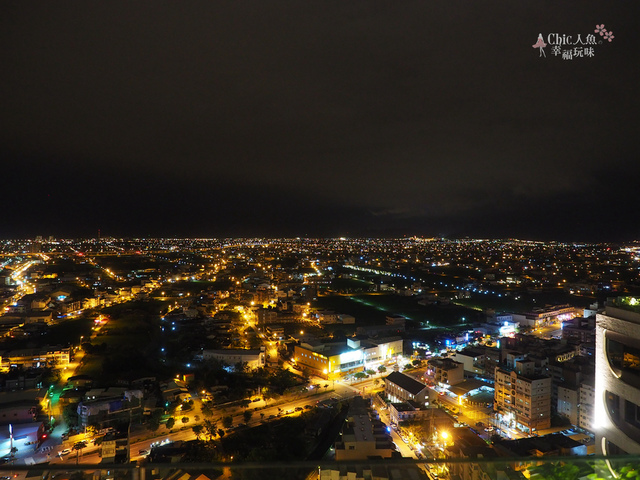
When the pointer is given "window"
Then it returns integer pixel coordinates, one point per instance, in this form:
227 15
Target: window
632 414
612 449
623 355
624 415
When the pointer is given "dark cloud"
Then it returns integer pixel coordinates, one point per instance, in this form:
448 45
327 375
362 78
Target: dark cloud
344 116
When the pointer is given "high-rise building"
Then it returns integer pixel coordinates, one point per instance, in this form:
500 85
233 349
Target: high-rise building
522 402
617 389
586 406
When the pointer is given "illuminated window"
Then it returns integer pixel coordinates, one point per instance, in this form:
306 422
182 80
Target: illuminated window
624 358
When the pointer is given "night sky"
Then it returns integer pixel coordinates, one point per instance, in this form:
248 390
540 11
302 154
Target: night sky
319 118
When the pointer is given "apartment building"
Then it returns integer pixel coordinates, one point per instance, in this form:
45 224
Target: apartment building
363 435
522 402
587 403
446 371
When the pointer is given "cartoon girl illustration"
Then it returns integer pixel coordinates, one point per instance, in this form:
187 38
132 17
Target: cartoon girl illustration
540 44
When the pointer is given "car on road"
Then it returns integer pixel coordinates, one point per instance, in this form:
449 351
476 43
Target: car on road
143 452
299 409
66 451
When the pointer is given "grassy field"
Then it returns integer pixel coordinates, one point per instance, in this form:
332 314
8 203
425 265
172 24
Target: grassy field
350 285
91 365
131 343
372 309
525 302
68 332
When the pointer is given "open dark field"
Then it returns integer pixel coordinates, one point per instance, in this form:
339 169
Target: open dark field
372 309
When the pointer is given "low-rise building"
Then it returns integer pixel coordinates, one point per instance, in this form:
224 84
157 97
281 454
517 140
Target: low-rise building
107 408
471 360
115 448
396 321
253 358
355 355
363 435
407 411
35 358
539 317
399 387
554 444
446 371
483 470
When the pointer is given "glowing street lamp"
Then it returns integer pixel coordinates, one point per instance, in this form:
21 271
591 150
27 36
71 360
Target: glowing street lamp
444 435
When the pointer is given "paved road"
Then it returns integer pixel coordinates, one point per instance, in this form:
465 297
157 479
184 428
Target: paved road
142 440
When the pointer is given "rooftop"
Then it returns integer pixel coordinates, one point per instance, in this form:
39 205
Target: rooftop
406 383
631 304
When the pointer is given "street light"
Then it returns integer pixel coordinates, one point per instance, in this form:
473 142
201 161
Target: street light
445 436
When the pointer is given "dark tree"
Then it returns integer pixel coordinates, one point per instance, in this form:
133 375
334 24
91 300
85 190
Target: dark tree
227 421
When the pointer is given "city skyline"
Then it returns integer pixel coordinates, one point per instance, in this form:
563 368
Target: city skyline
249 352
299 119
